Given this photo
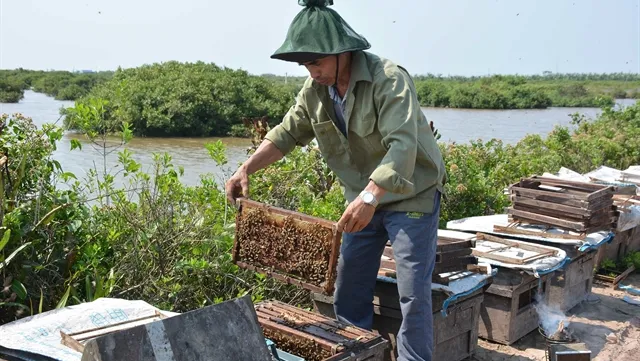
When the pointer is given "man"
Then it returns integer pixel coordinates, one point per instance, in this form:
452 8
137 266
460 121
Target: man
365 116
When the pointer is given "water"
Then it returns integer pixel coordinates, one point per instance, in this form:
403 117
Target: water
455 125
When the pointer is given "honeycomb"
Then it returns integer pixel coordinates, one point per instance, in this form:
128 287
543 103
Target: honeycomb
298 248
307 349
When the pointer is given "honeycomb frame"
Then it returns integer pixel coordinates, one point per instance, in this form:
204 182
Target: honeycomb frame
289 246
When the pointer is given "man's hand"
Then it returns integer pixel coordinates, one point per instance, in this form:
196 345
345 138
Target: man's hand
357 216
237 185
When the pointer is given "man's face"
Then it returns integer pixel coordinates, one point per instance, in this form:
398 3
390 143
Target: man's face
323 70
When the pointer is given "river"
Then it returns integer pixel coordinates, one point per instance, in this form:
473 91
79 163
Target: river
455 125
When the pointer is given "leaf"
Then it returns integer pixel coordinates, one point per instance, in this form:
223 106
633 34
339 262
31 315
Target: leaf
5 238
99 287
49 216
19 289
75 144
41 301
64 299
13 254
87 289
68 175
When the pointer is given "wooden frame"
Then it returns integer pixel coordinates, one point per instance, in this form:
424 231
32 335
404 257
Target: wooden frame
542 252
511 228
614 281
277 215
75 340
339 340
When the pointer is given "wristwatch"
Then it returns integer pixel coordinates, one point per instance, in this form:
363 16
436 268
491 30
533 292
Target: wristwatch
368 198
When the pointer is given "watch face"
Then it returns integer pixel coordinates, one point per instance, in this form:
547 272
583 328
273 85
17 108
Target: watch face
368 197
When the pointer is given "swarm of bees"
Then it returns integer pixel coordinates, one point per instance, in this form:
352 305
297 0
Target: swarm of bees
307 349
298 248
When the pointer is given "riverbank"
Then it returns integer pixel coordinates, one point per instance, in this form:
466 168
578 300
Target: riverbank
455 126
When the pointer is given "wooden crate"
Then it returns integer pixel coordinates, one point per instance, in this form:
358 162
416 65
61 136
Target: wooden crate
289 246
453 257
455 335
575 206
571 285
507 313
316 337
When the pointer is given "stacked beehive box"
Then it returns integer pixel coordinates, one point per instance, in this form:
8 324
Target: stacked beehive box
453 255
573 206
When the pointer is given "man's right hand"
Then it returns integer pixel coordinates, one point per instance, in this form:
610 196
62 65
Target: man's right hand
237 186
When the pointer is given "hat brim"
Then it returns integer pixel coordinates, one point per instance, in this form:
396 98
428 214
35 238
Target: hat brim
299 57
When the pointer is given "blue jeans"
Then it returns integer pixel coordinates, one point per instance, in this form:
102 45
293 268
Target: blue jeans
413 237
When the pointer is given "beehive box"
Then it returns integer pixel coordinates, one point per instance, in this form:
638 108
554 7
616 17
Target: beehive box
574 206
455 336
507 313
315 337
286 245
571 285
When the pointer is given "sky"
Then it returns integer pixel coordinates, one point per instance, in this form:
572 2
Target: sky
448 37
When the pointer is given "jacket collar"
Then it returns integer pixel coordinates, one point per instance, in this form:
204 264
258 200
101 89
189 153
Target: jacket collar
359 72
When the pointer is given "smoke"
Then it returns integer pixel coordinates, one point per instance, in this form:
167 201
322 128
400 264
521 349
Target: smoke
549 317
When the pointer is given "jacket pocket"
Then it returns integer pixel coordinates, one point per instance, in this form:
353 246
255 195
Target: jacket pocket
365 135
328 138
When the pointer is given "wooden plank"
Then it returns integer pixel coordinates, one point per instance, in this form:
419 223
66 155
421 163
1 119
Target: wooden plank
546 219
517 244
605 192
550 205
448 245
333 262
452 254
588 187
244 202
550 213
71 342
535 192
497 257
623 275
516 231
538 256
552 199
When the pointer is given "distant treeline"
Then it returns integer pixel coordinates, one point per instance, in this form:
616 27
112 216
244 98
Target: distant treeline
547 75
62 85
203 99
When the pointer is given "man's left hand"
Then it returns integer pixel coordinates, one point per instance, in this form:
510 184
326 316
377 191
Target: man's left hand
357 216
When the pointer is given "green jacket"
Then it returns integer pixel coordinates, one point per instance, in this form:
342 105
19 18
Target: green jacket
389 139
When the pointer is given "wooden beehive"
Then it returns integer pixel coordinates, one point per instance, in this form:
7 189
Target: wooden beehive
575 206
315 337
289 246
453 257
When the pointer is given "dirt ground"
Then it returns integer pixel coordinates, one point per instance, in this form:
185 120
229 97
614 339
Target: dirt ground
609 326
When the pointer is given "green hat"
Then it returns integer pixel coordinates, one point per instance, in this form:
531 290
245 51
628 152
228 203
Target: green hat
316 32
